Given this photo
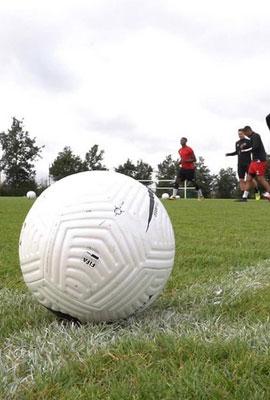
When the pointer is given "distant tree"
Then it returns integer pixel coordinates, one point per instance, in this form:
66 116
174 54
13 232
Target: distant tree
93 158
140 171
204 178
66 163
225 183
19 152
143 171
167 168
128 168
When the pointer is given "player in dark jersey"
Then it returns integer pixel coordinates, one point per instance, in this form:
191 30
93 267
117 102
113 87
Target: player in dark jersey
257 167
268 120
244 159
186 171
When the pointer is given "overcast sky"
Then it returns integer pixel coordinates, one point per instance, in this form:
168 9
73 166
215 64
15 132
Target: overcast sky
133 76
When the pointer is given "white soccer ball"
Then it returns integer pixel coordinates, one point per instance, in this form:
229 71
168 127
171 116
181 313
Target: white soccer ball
153 187
31 195
97 246
165 196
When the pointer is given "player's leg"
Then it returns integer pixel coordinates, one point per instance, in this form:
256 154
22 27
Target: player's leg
242 184
256 189
192 178
242 170
199 191
252 185
248 186
176 184
174 191
263 182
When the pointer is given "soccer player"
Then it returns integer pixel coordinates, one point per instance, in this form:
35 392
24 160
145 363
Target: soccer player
244 159
186 171
257 167
268 120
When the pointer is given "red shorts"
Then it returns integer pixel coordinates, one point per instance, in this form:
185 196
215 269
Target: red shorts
257 168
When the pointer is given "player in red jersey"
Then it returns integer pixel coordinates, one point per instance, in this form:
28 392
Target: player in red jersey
187 168
257 167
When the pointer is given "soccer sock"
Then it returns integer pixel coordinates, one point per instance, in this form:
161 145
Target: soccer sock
174 192
200 193
245 195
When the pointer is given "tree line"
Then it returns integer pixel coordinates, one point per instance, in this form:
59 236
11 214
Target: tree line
20 151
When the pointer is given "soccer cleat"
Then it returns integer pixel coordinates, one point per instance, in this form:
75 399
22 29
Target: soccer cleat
172 198
242 200
266 196
257 196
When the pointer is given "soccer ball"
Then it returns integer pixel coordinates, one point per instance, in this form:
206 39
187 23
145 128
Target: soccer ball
31 195
96 246
165 196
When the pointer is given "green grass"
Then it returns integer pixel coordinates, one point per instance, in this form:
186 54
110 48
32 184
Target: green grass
12 213
206 337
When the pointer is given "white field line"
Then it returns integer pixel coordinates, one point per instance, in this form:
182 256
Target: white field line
47 349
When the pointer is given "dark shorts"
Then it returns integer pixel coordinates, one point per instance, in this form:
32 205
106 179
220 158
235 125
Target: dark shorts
186 174
242 170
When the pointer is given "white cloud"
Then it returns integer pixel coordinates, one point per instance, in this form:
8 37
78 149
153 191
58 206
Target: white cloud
135 76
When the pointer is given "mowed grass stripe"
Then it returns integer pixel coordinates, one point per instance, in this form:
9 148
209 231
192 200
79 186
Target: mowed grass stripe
207 336
202 315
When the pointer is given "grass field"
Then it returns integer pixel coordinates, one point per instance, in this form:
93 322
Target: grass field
206 337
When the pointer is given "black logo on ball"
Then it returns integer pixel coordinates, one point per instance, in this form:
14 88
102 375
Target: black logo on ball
90 259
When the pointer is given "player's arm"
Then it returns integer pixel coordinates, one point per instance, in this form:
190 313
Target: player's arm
255 144
268 120
233 153
191 158
248 149
181 161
